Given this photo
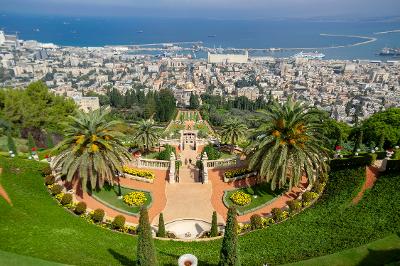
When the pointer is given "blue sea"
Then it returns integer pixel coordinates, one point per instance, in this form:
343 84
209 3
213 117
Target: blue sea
90 31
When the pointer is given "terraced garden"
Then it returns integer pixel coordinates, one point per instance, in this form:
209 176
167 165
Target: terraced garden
37 227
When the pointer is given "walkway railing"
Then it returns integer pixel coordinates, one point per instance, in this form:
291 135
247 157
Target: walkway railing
222 163
151 163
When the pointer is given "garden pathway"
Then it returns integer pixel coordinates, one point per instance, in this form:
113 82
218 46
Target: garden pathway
218 187
3 193
188 201
370 179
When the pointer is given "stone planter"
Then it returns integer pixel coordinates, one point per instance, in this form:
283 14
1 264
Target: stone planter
227 180
187 260
141 179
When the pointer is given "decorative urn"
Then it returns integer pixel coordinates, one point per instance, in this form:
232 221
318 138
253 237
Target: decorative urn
187 260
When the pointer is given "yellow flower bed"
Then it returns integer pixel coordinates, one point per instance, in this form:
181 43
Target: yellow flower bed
236 172
240 198
136 198
140 173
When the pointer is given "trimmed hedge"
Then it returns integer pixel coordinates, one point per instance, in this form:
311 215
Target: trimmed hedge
393 166
118 222
356 161
66 199
80 208
98 215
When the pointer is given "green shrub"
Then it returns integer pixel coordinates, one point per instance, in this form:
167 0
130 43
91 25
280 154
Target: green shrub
356 161
161 226
166 153
279 215
393 166
66 199
318 187
256 222
294 205
214 225
98 215
212 152
47 170
80 208
229 254
146 254
308 196
49 180
118 222
56 189
267 221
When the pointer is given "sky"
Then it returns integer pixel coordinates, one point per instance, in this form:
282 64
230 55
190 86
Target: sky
223 9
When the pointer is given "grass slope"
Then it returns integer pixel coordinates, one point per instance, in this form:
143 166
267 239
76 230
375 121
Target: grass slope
36 226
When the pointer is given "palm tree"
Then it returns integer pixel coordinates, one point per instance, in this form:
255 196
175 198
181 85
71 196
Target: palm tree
232 132
92 149
146 135
288 145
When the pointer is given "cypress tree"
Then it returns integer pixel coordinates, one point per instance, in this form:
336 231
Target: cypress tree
31 142
381 142
11 144
49 141
229 255
146 255
358 141
161 226
214 225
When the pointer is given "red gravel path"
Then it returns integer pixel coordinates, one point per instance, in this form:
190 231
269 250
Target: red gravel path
371 177
3 193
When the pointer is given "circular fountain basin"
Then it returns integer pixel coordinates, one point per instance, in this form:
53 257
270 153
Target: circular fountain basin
188 228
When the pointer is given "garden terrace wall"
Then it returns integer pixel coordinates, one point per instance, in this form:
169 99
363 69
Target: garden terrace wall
221 163
151 163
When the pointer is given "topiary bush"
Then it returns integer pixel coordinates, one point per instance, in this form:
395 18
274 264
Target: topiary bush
279 215
46 170
80 208
118 222
308 196
212 153
214 225
295 205
161 226
66 199
49 180
256 222
98 215
56 189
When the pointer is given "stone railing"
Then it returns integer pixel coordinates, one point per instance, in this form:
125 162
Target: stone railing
222 163
151 163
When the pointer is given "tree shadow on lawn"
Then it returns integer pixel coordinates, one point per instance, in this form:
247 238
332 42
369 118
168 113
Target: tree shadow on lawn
176 257
124 260
381 257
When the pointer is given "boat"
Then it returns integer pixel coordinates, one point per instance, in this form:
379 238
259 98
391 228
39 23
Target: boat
139 31
212 36
36 30
390 52
310 55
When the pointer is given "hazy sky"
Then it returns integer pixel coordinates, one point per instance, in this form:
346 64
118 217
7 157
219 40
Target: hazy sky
206 8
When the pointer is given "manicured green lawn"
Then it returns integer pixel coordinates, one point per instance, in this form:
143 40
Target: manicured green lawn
37 227
110 196
380 252
12 259
260 194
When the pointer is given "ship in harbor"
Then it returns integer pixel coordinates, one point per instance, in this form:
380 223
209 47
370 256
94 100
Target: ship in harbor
310 55
390 52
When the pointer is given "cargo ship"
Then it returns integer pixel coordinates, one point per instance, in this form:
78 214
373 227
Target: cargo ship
390 52
311 55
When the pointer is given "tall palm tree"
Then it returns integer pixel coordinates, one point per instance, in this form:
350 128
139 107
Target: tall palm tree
92 149
232 132
146 134
288 145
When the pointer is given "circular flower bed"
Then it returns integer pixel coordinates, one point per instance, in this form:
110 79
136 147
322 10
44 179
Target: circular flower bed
240 198
136 198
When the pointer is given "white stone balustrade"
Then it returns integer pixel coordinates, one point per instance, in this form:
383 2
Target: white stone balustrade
221 163
151 163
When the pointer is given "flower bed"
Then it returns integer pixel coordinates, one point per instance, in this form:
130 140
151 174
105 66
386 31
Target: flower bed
236 174
141 175
135 198
240 198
